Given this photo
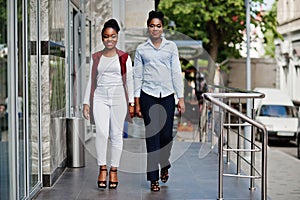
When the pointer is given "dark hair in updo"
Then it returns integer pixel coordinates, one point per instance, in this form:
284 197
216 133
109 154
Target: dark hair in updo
111 23
155 14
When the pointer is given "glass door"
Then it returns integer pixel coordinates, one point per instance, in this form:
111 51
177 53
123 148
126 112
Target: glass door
21 133
78 61
90 129
27 100
4 136
20 144
32 90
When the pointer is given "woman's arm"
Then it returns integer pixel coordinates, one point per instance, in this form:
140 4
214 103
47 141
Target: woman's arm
86 99
129 84
138 73
129 80
177 79
176 73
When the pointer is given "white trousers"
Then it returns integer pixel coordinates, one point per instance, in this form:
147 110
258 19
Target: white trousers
110 110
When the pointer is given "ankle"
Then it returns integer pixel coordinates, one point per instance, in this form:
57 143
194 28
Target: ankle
113 169
113 172
102 171
103 167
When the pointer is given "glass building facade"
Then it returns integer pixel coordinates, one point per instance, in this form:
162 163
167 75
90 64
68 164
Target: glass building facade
45 48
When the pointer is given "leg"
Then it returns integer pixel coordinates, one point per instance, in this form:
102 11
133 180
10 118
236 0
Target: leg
118 111
101 115
166 135
102 122
151 121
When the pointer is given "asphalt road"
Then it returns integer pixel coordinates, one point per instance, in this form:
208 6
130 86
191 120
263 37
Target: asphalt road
288 148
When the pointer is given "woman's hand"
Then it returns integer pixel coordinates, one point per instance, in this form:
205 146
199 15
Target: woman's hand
131 109
137 107
181 106
86 111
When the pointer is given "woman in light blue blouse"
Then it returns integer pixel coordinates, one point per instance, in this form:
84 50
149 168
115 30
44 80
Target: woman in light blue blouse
157 76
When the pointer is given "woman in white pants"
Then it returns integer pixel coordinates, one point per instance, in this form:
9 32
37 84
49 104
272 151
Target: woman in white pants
108 96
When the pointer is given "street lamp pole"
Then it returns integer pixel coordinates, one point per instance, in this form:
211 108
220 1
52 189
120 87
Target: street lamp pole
248 76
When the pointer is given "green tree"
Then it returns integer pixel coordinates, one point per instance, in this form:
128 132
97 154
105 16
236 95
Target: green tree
3 21
271 32
218 23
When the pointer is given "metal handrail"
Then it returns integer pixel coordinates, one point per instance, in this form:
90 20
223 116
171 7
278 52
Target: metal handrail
212 97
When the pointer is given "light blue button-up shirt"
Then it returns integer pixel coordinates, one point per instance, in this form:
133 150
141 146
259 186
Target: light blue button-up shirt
157 71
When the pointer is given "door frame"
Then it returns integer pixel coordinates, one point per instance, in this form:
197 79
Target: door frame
13 122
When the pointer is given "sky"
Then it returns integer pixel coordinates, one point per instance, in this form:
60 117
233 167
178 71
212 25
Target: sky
269 4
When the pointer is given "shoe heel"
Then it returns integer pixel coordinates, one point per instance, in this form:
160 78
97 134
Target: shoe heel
102 184
112 184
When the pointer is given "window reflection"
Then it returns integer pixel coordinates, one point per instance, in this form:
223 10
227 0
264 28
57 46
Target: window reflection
277 111
57 86
4 165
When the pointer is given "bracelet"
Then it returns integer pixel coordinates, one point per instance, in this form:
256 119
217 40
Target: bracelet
131 104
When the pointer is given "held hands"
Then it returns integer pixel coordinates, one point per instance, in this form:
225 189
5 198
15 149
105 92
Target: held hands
86 111
134 110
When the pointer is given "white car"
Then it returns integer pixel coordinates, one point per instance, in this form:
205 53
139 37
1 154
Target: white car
278 113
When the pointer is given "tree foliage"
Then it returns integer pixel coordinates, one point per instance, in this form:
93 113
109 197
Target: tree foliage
3 21
271 32
218 23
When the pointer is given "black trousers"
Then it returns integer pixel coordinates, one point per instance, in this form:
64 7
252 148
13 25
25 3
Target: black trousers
158 116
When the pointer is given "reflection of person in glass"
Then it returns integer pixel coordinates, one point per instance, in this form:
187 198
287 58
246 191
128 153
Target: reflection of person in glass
157 75
108 95
3 120
2 108
19 105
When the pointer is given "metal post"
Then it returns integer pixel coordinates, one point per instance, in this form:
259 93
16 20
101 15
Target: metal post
228 132
248 76
206 116
202 116
238 145
212 122
207 120
252 171
221 162
264 166
12 80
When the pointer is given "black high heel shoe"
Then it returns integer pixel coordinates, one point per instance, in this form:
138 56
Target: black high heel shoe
164 175
102 184
112 184
154 186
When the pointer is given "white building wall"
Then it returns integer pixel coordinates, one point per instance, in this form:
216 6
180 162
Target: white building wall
137 13
288 51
